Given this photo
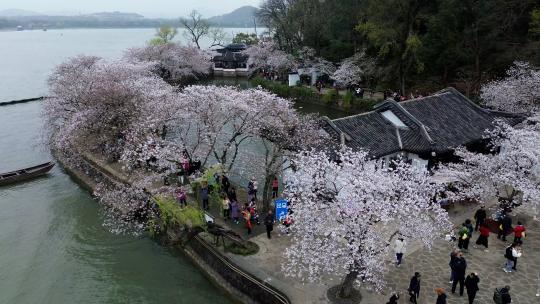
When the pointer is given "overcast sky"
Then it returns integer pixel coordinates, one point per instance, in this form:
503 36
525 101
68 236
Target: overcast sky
148 8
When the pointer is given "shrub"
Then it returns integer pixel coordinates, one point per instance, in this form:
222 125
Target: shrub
173 215
330 97
348 100
248 248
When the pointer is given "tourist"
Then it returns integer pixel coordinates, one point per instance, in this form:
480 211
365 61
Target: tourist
204 196
232 194
399 249
511 254
250 190
287 222
480 217
181 196
226 205
505 224
414 288
255 186
441 296
247 217
393 299
275 185
453 256
459 267
502 295
225 184
519 233
234 211
483 237
471 283
269 223
464 235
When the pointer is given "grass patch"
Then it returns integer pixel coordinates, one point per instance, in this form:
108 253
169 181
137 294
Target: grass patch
248 248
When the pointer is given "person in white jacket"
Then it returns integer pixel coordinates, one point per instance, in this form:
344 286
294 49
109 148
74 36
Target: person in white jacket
399 249
512 253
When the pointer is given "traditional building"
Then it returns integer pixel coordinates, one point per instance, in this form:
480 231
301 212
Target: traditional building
231 61
422 130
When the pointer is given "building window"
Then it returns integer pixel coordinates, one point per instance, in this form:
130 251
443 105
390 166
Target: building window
391 117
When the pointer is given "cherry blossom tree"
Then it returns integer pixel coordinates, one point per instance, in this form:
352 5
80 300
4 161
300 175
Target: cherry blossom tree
518 92
217 121
265 55
173 62
346 213
513 166
353 70
308 60
100 101
277 145
512 169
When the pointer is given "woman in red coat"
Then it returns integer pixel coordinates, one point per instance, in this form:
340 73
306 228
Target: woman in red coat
483 237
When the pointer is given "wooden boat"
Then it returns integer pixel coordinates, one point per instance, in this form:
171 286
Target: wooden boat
25 174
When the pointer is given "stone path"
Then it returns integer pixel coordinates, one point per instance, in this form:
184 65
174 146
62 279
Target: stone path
435 270
433 265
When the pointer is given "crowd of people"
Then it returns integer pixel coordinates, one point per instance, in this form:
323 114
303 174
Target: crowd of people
459 277
233 210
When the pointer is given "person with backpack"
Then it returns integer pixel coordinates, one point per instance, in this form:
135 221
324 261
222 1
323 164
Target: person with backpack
459 267
399 249
480 216
519 233
464 237
511 254
414 288
471 283
502 295
441 296
483 237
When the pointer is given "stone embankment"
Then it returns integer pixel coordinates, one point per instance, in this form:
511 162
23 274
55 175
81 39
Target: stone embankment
238 282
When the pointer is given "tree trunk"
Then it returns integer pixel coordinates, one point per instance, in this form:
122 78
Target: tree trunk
267 192
348 284
402 78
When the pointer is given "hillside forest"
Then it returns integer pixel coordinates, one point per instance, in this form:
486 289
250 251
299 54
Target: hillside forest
417 44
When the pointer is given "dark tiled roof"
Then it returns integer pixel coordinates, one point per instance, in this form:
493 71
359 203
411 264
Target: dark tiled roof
437 123
231 57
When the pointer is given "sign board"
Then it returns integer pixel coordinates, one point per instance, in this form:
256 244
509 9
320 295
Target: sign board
281 209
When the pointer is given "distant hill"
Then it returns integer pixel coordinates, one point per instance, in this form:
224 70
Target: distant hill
241 17
17 13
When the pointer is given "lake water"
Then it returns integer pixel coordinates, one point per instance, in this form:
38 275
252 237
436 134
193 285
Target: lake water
53 247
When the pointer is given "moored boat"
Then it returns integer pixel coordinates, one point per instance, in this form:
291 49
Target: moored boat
25 174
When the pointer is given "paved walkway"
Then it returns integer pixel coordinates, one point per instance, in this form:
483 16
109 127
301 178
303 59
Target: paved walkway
433 265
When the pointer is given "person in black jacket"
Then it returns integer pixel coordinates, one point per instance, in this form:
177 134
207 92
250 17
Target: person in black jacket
471 283
480 217
505 293
459 267
393 299
414 287
506 224
441 296
269 223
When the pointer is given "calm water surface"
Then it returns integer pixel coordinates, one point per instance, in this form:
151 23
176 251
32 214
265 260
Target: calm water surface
53 248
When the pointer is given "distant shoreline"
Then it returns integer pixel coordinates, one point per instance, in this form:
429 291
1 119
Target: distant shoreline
112 28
